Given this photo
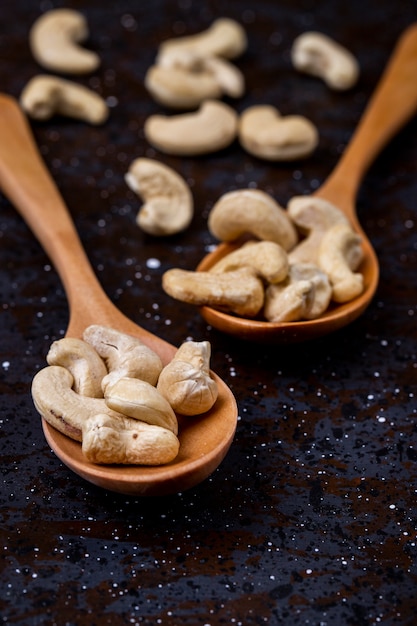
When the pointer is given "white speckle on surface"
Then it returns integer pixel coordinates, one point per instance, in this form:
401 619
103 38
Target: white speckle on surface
153 263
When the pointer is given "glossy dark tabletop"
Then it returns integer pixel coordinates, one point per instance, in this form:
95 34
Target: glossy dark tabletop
311 517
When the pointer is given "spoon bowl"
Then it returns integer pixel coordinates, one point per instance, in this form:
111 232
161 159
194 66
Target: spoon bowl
393 103
204 440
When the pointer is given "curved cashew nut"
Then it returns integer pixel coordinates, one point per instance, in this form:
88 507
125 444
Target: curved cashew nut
142 401
340 252
54 40
322 291
288 301
126 441
45 96
313 217
181 88
213 127
238 291
186 382
319 55
251 211
82 361
168 203
124 355
60 405
183 80
266 134
224 38
267 258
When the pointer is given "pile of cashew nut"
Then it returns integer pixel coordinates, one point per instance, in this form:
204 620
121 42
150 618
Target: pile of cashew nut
293 264
55 41
112 393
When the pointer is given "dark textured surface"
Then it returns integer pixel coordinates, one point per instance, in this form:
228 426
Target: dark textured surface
311 518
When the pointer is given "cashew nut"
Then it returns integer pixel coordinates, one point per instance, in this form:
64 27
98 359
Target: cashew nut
168 204
45 96
267 258
319 55
142 401
266 134
60 405
82 361
313 217
239 291
127 441
224 38
213 127
54 40
123 354
251 211
181 88
339 254
184 80
288 301
186 382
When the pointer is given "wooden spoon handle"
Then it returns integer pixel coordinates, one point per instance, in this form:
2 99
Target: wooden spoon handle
27 183
393 103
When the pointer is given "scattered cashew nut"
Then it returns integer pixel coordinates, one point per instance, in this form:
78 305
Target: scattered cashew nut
224 38
123 440
212 127
319 55
339 254
168 203
82 361
251 211
54 40
124 355
239 291
45 96
186 381
266 134
267 258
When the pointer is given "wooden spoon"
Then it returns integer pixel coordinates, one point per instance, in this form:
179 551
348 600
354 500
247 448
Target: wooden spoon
392 105
204 440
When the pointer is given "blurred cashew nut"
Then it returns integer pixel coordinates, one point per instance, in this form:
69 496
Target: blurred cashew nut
224 38
319 55
168 203
267 258
239 291
54 40
340 253
266 134
45 96
251 211
212 127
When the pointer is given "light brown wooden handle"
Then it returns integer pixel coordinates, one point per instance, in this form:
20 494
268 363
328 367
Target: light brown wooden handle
26 181
393 104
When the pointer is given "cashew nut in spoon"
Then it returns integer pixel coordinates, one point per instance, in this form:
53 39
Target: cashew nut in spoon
267 134
45 96
186 381
212 127
319 55
393 103
82 361
204 441
252 211
168 203
55 39
267 258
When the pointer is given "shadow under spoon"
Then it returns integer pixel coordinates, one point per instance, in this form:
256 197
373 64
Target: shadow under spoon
393 103
204 440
